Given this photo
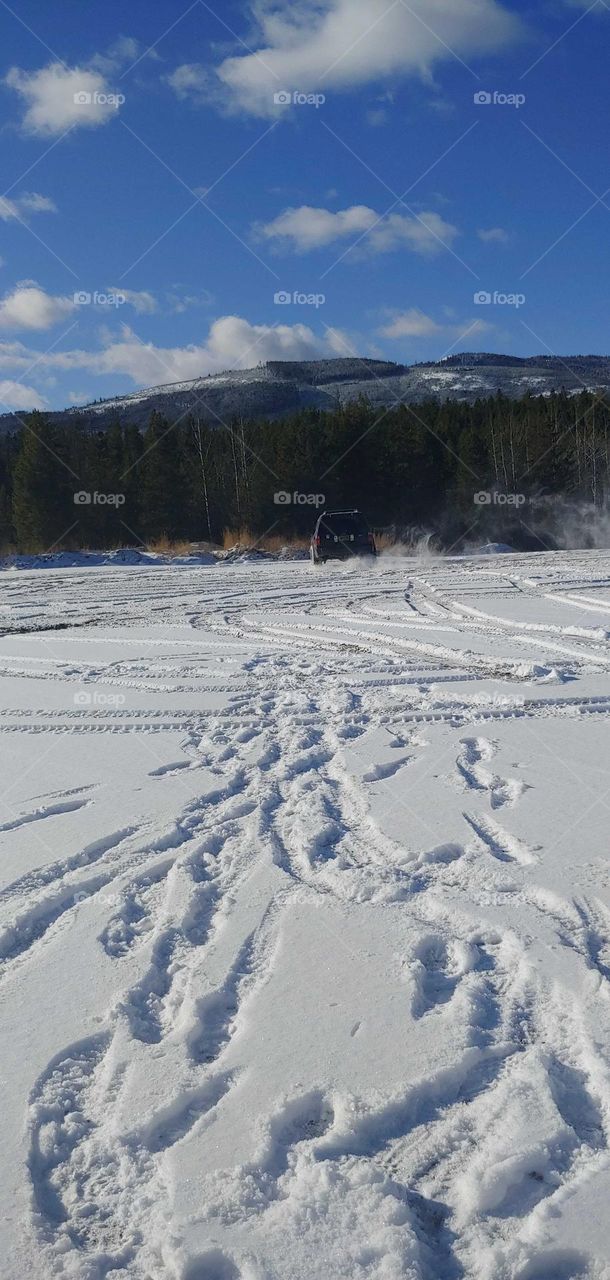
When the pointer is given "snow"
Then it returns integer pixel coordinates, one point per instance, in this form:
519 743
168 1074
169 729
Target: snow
305 919
133 556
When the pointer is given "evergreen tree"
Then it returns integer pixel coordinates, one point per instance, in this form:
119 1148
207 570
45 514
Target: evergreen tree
161 482
407 465
7 532
44 486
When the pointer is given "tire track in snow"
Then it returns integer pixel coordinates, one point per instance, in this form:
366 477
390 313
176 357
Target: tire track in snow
581 926
427 1143
45 811
503 845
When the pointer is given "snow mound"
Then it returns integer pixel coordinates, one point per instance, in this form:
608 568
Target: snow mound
128 556
244 555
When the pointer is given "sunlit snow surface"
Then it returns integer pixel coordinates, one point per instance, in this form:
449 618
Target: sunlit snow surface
305 920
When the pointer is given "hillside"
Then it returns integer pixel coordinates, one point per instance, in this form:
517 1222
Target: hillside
282 387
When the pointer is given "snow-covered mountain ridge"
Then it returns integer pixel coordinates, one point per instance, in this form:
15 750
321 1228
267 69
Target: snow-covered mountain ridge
278 388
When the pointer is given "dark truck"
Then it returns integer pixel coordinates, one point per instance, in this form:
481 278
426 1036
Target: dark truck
338 535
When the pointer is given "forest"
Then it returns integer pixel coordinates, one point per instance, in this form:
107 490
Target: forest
503 468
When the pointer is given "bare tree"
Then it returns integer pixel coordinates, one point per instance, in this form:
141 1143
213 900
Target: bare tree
202 461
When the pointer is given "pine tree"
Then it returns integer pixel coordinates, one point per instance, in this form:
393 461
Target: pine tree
161 487
44 486
7 532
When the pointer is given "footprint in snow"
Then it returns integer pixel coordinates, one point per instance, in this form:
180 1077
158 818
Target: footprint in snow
380 772
437 969
213 1265
555 1264
436 975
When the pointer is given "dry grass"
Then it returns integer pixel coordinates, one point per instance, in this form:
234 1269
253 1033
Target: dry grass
165 547
408 542
384 541
269 542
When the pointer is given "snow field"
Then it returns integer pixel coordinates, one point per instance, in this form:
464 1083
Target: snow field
305 920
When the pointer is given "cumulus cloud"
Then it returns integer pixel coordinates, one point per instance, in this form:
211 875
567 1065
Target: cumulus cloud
13 395
309 228
410 324
232 342
493 235
29 307
338 44
27 203
57 97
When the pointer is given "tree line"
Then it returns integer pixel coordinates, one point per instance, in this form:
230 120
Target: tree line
407 467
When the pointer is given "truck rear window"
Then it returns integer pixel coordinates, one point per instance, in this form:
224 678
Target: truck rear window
344 525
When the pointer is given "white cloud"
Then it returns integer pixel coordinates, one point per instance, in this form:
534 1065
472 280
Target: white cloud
416 324
171 303
179 302
21 206
410 324
493 235
190 80
13 395
8 209
309 228
338 44
144 302
32 202
141 300
15 356
125 49
51 97
29 307
232 342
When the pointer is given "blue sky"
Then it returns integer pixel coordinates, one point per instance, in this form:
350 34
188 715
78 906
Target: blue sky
157 198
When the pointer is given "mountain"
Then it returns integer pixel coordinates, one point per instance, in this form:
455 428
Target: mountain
281 387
